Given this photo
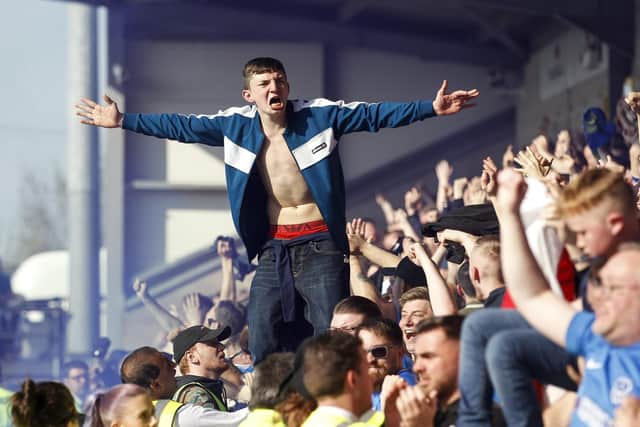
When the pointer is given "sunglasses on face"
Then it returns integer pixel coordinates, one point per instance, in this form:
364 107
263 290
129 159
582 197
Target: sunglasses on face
238 353
379 351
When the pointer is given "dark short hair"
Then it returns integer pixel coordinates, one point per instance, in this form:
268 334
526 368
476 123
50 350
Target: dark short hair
73 364
358 305
327 360
231 314
259 66
385 328
46 403
137 368
268 376
451 325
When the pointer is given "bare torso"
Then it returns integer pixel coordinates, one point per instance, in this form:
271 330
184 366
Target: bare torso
289 198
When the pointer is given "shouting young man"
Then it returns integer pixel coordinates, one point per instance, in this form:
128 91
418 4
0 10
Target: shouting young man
286 188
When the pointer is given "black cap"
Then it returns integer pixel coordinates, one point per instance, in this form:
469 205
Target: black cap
194 334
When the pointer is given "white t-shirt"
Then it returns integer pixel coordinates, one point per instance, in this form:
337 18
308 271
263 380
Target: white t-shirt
197 416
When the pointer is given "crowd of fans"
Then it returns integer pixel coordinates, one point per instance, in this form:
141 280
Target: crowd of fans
507 298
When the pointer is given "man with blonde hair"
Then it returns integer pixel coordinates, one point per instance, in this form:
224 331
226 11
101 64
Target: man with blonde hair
414 307
500 349
485 271
609 340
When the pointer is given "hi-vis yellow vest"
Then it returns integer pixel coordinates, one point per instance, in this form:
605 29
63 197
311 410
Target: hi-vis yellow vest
166 411
328 419
263 418
219 404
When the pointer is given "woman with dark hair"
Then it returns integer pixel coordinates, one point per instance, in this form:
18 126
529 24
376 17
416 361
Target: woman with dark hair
125 405
44 404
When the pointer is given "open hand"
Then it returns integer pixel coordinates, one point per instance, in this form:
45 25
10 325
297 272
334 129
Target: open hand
107 116
191 307
533 164
488 177
445 104
355 235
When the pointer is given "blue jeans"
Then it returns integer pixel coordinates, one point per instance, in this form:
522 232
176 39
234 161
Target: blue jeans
321 279
499 347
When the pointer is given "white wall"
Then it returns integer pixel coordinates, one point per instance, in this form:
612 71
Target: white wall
552 109
374 76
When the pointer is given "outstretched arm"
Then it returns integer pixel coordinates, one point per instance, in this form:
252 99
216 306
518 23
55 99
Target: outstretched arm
361 116
451 103
525 281
92 113
177 127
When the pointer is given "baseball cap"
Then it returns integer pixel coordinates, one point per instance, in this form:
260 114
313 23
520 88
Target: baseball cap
597 131
195 334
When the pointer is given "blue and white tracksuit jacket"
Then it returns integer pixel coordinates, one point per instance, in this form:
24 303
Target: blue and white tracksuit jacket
313 130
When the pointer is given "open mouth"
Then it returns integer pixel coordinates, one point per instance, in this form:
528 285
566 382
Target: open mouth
276 102
409 334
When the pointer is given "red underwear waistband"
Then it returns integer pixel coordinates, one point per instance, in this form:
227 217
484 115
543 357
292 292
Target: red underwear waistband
291 231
